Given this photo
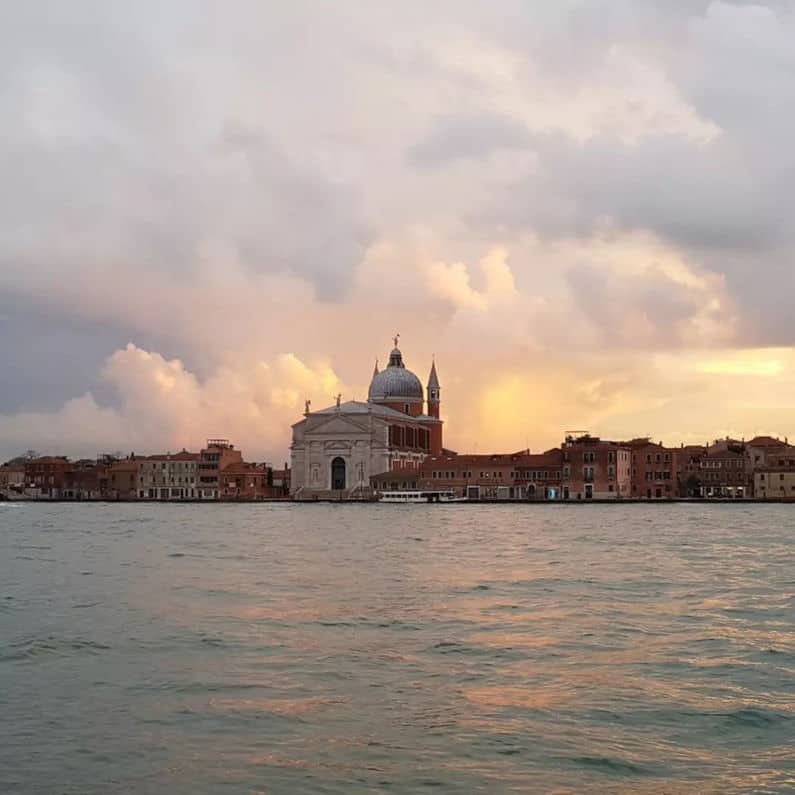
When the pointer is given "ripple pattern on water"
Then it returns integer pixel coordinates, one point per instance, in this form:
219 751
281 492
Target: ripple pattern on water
343 649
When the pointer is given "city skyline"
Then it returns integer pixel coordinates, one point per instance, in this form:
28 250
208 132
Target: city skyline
578 209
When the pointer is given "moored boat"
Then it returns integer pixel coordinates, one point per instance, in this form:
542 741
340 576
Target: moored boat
407 497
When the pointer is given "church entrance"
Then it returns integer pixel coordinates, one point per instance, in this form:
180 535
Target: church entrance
338 474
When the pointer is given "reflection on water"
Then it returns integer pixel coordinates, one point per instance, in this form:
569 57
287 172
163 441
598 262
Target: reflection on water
343 649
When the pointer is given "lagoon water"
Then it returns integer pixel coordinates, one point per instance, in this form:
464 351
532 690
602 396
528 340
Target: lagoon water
397 649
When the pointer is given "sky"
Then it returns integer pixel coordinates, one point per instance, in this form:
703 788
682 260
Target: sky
213 211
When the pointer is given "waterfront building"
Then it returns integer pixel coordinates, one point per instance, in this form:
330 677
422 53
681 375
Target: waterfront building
594 468
762 452
775 480
336 450
217 455
688 469
244 481
168 476
723 470
122 480
281 481
513 476
45 477
84 480
12 481
654 470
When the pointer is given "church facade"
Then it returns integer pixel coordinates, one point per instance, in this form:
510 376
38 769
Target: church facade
336 450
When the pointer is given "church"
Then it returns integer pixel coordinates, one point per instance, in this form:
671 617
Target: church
336 450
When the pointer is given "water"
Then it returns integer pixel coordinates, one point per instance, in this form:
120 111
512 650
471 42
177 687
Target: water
397 649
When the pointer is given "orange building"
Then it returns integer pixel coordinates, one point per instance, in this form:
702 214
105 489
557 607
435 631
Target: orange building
217 455
595 469
654 470
244 481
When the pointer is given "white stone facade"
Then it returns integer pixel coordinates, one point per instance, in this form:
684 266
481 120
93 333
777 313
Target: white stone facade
354 433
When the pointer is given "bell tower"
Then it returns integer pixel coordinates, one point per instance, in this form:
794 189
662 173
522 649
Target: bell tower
434 393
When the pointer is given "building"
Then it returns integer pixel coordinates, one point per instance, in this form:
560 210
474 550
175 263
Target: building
45 477
217 455
336 451
594 468
84 480
168 476
281 481
513 476
122 480
763 452
654 470
688 469
723 470
775 480
12 481
244 481
540 476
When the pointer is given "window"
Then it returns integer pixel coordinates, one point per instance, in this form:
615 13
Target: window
588 457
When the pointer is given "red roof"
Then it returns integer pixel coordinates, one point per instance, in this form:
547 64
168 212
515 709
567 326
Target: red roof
767 441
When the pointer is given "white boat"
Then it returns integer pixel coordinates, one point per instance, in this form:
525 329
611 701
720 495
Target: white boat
420 496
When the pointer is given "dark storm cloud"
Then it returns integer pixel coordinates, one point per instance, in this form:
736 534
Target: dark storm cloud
48 354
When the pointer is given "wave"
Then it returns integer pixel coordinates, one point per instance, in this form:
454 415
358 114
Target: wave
32 648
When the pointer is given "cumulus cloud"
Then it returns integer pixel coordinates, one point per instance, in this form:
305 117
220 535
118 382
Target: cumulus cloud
164 406
548 196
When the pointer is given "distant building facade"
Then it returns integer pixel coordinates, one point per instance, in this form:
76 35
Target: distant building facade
723 470
12 481
654 469
595 469
168 476
216 456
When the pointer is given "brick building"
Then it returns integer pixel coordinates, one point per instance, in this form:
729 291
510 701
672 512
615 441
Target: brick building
244 481
45 477
512 476
217 455
595 469
84 480
654 470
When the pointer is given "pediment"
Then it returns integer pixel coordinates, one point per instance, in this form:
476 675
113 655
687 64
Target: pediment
338 424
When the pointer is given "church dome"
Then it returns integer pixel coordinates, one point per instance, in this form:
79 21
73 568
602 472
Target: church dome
395 382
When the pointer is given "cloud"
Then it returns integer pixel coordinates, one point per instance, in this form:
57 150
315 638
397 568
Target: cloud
164 406
550 197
